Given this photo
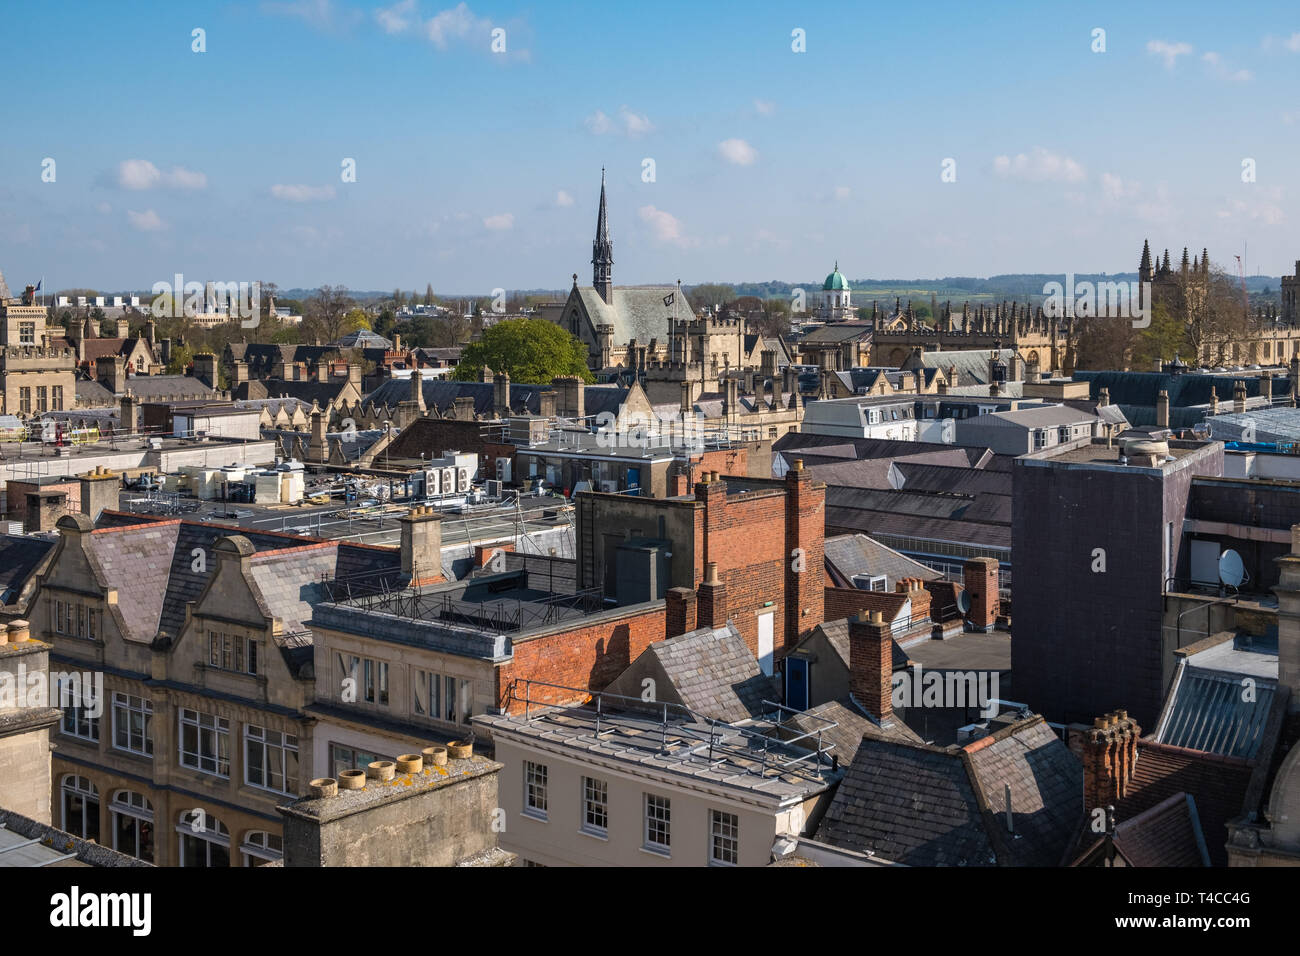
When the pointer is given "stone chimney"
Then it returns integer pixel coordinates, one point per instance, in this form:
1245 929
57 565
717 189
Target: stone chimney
980 576
123 329
288 372
1162 409
679 611
205 369
732 395
1108 752
422 546
112 373
1238 396
318 446
485 375
463 409
238 374
354 375
871 664
546 403
1288 620
768 367
953 376
127 413
501 391
573 397
415 389
688 405
1266 386
150 332
1103 397
99 490
713 598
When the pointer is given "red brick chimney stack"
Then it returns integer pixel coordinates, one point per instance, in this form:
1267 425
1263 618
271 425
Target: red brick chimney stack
871 664
981 579
1108 752
713 598
680 610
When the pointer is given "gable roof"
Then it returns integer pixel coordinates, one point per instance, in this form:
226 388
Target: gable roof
850 554
851 726
21 557
636 312
1168 834
926 806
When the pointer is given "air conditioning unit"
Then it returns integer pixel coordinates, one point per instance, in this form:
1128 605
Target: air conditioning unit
463 482
609 486
870 582
493 488
432 482
503 469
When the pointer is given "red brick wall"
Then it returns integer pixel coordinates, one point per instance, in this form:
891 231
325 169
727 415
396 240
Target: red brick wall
586 657
842 603
17 495
943 600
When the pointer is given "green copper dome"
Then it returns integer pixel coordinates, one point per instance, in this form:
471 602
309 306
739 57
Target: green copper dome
835 282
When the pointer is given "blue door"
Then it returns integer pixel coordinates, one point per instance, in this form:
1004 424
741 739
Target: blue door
634 480
796 683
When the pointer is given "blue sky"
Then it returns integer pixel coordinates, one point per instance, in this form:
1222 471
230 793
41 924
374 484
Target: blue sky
478 169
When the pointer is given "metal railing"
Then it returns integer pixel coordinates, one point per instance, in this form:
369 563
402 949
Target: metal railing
758 754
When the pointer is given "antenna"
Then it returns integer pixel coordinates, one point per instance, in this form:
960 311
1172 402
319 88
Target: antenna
1232 571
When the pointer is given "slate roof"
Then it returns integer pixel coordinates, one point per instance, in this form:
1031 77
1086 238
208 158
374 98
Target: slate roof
926 806
92 394
972 364
442 395
1168 834
636 312
714 673
835 333
851 725
866 448
152 564
21 556
161 387
850 554
1192 388
1054 415
1218 785
363 339
322 393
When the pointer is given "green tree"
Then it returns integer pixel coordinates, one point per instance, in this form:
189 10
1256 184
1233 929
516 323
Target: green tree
1164 338
182 356
428 294
529 350
711 294
355 320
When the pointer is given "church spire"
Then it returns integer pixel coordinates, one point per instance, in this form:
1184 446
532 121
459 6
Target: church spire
602 250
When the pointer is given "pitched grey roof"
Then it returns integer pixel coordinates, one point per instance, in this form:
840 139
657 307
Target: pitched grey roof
851 725
1206 711
837 634
636 312
21 556
92 394
442 394
714 673
924 806
850 554
972 364
149 387
363 339
1033 417
834 333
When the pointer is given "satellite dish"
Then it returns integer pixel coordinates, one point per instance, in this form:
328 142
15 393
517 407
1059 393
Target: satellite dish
1231 571
963 602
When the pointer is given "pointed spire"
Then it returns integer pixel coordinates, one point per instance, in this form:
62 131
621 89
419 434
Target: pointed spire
1145 265
602 250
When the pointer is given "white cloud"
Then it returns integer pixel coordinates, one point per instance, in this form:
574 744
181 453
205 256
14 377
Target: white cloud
1169 52
103 208
321 14
1039 165
298 192
562 198
766 107
634 124
147 221
397 18
455 23
141 174
737 151
1117 188
842 192
500 222
630 123
1223 71
664 225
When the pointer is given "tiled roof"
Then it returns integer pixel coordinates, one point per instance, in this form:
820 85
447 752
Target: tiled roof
714 673
908 804
837 634
322 393
923 806
137 560
1141 388
168 386
636 312
1218 785
851 725
21 556
850 554
442 395
1169 834
93 394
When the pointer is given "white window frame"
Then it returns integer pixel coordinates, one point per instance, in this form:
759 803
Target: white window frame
257 846
122 806
218 728
657 809
536 779
84 788
90 724
214 833
145 710
720 822
595 797
272 743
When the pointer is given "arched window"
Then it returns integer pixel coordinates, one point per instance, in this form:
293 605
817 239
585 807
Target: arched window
260 848
80 805
132 824
204 840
